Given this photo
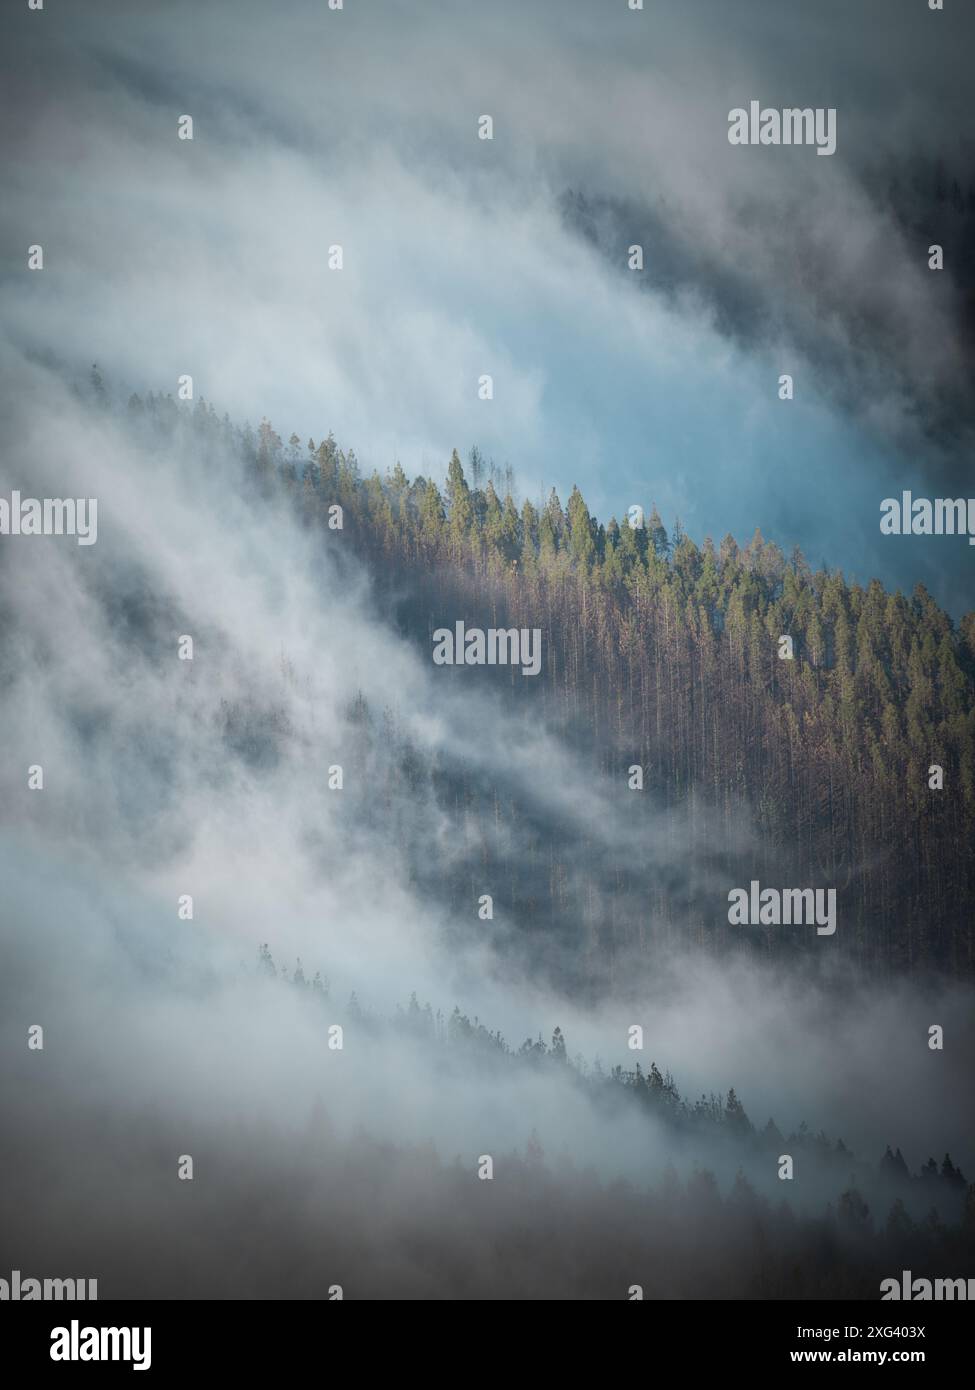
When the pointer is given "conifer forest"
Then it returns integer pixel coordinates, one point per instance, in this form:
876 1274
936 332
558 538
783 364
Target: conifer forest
487 668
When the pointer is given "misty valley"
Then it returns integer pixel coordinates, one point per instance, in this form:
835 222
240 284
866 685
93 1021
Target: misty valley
487 675
612 942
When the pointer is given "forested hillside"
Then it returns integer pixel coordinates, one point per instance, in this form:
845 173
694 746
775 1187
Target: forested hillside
661 652
719 1124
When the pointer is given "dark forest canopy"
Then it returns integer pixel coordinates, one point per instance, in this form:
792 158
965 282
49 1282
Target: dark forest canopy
664 653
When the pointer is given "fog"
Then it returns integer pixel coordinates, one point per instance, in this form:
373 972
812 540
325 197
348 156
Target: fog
357 128
162 1037
165 1036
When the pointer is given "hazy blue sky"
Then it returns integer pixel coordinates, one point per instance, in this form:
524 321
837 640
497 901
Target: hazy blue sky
507 257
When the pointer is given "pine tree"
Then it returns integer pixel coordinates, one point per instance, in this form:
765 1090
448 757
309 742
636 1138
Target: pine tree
459 507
